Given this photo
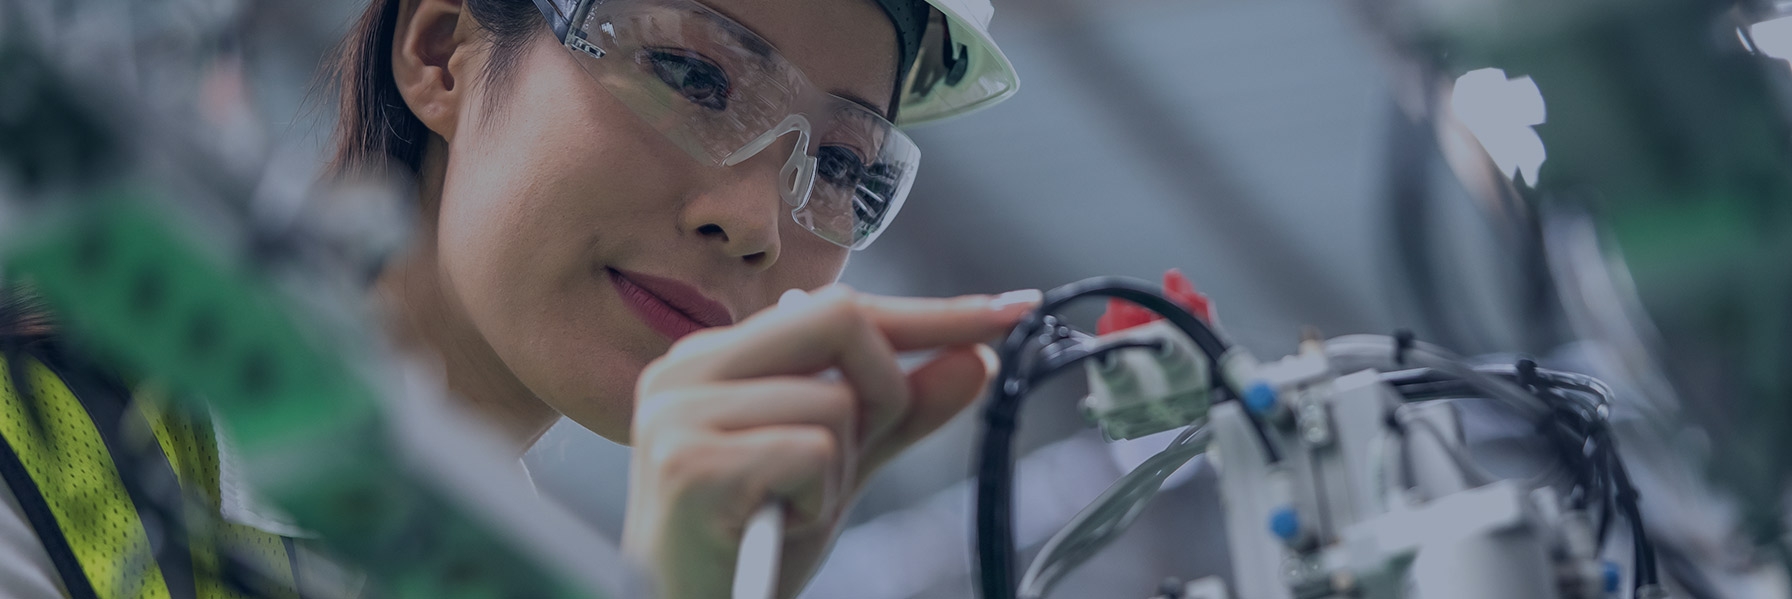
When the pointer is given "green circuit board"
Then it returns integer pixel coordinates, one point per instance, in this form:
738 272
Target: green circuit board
133 292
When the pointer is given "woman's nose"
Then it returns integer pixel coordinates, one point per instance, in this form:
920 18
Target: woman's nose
740 208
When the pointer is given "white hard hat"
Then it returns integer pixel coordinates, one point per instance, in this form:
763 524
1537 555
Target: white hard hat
958 69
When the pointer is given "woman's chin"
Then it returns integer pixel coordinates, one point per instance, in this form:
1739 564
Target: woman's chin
605 416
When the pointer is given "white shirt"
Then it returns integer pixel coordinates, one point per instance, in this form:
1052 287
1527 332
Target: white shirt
25 569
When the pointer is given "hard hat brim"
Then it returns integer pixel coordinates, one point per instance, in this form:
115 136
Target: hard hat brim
989 78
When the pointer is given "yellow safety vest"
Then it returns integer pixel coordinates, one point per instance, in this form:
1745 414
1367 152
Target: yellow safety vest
67 431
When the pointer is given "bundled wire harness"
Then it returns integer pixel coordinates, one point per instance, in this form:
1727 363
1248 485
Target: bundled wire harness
1040 347
1290 410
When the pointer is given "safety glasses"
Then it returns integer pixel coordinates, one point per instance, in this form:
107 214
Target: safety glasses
723 94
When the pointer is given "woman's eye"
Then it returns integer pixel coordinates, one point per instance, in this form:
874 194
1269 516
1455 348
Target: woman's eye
871 198
868 186
839 166
698 80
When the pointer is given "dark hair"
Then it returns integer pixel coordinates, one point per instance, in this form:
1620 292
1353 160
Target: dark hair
375 129
25 329
22 318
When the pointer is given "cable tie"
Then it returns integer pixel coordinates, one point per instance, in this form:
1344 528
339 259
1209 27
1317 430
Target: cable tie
1403 342
1526 369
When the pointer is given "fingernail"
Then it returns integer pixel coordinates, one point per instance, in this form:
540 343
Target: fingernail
1023 297
991 363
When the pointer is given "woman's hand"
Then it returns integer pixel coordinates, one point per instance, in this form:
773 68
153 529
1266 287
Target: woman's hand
736 416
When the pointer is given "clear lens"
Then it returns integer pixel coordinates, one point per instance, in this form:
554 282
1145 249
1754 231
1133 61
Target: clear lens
863 172
714 88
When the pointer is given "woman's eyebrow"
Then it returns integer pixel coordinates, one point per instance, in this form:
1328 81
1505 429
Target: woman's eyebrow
751 42
748 39
851 97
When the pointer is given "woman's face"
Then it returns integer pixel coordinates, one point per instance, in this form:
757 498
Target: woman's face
565 219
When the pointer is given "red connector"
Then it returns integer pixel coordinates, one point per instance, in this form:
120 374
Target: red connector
1122 315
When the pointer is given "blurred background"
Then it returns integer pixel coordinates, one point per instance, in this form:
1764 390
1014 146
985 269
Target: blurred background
1242 142
1254 145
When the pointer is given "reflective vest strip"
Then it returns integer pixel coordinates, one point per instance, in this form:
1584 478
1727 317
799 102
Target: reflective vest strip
176 443
193 452
43 521
70 467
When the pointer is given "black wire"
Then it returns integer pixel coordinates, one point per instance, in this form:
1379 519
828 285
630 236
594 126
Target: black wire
1576 429
1056 363
1606 498
995 534
1145 296
1566 424
1616 489
1019 371
1549 381
1064 352
1624 493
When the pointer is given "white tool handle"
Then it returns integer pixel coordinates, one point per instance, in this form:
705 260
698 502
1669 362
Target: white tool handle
756 568
762 543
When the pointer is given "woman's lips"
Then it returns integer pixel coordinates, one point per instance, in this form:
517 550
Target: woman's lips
668 307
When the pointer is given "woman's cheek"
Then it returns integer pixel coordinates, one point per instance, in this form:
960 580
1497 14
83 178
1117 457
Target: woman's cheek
810 260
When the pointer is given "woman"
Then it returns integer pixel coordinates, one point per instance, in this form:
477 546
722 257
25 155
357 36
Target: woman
613 193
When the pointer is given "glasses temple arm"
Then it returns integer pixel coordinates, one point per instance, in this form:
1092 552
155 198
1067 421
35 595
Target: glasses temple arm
558 21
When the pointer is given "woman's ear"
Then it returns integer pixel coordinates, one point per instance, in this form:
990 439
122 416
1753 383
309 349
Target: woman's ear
430 57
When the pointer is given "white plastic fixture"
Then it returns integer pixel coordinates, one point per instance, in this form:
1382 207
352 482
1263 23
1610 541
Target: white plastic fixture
1501 112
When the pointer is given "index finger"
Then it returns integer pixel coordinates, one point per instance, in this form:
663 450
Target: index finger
916 323
857 332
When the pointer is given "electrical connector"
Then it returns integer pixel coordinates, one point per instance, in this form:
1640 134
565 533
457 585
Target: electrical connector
1137 393
1122 315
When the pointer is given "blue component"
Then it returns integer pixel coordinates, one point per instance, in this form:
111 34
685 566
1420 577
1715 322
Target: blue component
1285 523
1260 398
1612 577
